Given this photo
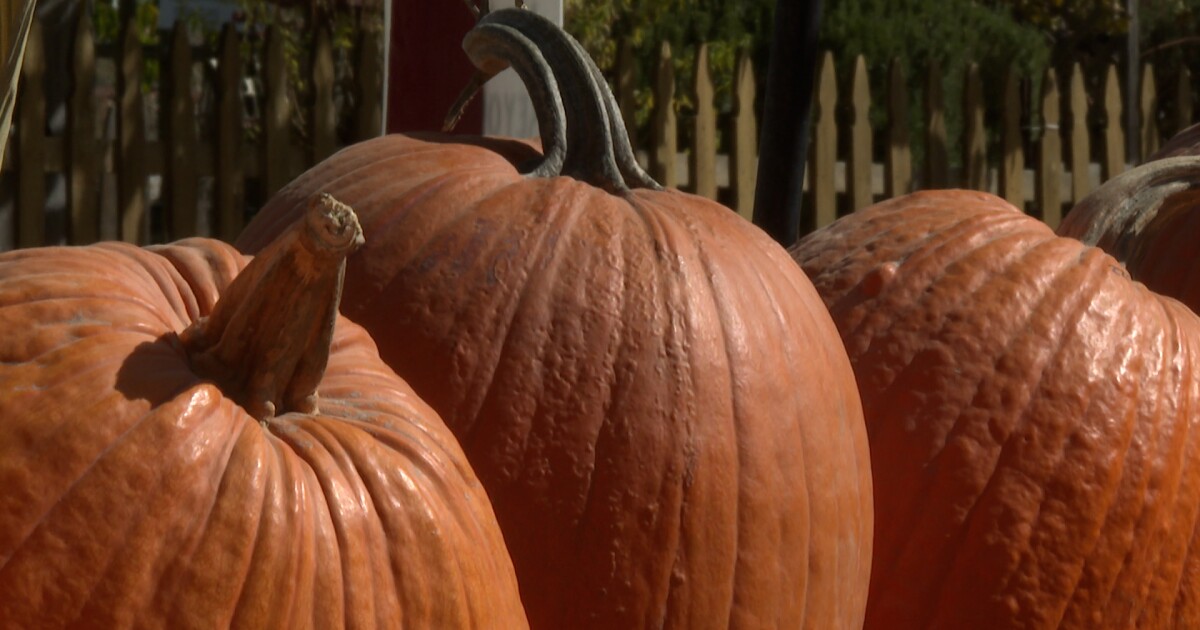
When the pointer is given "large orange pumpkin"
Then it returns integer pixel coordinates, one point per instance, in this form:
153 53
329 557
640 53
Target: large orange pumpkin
1147 218
175 452
650 390
1030 412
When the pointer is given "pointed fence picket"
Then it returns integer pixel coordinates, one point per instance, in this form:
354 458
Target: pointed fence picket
709 150
108 169
1039 156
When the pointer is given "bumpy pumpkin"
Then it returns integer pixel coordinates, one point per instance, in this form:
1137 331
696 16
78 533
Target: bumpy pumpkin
650 390
1030 412
188 441
1147 218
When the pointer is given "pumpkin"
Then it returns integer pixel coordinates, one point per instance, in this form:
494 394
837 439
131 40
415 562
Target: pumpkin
1029 410
648 387
1146 218
190 440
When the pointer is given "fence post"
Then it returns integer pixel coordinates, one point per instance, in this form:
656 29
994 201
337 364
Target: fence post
83 226
743 161
824 150
1049 168
626 89
369 72
897 166
1148 101
230 176
1114 138
80 150
323 126
974 133
8 20
936 161
703 158
31 143
859 162
179 176
276 112
131 130
662 162
1012 157
1081 150
1183 100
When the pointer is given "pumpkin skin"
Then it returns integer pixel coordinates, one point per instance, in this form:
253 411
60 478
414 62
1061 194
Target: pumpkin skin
1029 412
658 405
1146 218
648 387
138 493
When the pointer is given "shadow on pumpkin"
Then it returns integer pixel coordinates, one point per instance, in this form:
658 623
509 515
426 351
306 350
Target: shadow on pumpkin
156 371
518 151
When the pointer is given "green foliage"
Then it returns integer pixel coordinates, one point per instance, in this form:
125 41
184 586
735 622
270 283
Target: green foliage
297 24
729 26
1076 16
1073 24
1170 38
951 32
1093 33
918 33
107 25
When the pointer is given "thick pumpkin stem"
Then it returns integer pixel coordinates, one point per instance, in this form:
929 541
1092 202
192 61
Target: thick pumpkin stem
1126 203
266 343
582 133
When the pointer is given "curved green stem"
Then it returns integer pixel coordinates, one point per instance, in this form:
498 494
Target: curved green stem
582 133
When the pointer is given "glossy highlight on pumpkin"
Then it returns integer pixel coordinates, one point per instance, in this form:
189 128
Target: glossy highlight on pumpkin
649 388
138 492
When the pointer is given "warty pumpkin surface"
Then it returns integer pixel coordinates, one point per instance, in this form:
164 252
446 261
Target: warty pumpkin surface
650 390
1147 219
1030 413
165 462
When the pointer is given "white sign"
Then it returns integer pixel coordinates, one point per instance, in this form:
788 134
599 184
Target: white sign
507 110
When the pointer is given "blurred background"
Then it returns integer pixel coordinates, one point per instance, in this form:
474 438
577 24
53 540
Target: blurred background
149 120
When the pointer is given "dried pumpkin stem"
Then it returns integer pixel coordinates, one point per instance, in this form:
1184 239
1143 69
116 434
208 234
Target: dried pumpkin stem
266 342
1133 193
582 133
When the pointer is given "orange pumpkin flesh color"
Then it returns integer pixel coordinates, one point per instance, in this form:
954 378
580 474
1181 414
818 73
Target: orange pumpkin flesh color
1029 410
188 440
1147 218
648 387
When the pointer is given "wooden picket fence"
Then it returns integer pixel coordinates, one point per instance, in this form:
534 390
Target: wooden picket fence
107 173
840 179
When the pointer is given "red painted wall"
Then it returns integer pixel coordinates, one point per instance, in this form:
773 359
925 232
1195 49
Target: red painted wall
427 67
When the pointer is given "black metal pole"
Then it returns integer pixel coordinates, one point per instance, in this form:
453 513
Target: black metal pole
125 12
783 146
